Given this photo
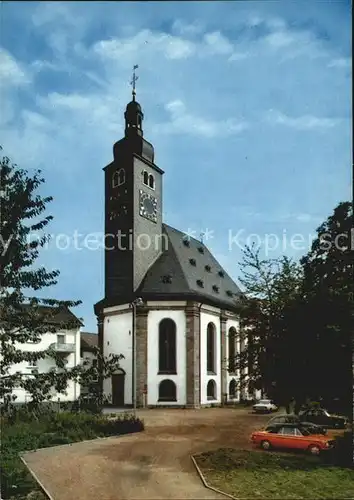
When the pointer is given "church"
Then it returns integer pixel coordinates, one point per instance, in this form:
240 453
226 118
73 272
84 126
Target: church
169 307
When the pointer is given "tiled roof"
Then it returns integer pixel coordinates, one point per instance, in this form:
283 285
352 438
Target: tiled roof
88 340
188 268
56 316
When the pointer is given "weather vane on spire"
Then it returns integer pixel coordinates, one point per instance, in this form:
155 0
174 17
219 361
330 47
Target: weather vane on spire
134 79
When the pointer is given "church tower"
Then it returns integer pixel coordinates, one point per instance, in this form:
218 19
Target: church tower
133 208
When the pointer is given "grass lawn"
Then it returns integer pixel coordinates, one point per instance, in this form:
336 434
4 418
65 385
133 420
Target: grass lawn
259 474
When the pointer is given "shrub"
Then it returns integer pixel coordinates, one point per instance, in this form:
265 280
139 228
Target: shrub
342 453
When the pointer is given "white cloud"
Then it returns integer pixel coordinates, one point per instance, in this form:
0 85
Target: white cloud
11 72
341 62
37 120
305 122
182 122
279 39
75 102
144 43
216 43
151 44
183 28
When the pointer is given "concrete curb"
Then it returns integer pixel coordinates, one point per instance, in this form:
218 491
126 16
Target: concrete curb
44 490
201 475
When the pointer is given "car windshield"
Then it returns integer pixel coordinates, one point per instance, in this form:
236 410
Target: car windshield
264 401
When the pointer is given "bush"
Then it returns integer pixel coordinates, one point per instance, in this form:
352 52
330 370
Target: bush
24 431
342 453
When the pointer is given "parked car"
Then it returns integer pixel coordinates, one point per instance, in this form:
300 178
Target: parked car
291 436
320 416
265 405
295 419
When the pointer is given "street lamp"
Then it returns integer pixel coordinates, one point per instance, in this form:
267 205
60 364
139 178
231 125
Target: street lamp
136 303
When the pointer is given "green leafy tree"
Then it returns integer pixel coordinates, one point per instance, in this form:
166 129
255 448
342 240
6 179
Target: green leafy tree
272 288
328 308
299 319
24 316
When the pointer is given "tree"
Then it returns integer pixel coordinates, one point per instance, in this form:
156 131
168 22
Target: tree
328 305
272 289
24 316
299 318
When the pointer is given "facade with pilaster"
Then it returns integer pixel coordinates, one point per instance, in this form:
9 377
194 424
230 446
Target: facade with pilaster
169 307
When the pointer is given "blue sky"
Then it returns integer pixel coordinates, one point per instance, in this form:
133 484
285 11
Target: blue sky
247 105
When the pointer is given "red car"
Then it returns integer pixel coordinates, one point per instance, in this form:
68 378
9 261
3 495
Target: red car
292 436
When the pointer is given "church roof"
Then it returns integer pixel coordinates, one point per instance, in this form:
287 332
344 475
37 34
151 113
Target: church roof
187 269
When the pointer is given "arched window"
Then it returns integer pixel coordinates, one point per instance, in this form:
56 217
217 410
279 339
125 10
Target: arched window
167 346
146 177
151 181
115 179
232 389
211 390
118 177
121 176
167 391
232 350
211 337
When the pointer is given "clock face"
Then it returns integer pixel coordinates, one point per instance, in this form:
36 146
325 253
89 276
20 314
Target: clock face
148 206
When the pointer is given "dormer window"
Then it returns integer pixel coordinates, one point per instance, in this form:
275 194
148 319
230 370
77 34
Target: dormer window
216 288
208 269
186 242
167 278
221 274
200 249
193 262
118 177
200 283
151 181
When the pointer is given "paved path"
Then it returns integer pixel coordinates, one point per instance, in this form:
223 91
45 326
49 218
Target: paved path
154 464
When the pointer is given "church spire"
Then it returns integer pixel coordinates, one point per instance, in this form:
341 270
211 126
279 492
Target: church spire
133 114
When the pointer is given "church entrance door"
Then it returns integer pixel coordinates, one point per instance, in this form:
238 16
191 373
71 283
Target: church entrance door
118 389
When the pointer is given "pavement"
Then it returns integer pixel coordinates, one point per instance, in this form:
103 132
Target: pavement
154 464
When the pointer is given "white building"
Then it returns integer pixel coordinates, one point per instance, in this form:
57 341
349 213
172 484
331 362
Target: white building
89 341
179 343
66 342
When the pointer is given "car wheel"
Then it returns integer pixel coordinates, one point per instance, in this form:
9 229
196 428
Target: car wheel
314 449
266 445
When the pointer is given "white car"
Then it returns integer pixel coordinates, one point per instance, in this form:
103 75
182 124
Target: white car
265 405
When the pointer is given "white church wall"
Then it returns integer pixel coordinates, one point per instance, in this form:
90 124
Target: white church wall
235 324
153 378
210 314
112 309
117 339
